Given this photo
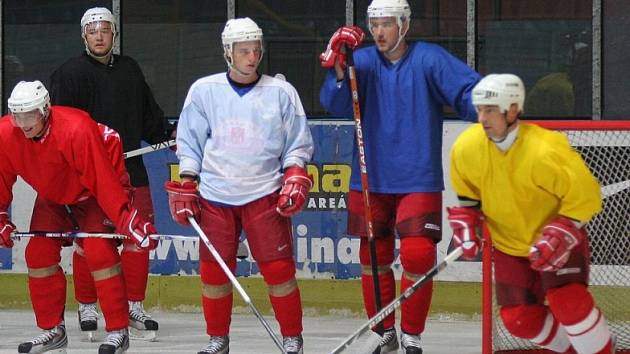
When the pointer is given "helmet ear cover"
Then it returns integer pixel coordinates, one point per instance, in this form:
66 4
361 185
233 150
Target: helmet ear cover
500 90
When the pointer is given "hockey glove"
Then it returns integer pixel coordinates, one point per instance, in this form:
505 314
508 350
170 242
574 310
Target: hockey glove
295 186
6 228
352 37
183 201
553 248
138 230
466 225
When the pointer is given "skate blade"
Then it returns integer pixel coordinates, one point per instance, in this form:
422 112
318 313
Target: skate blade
57 351
136 334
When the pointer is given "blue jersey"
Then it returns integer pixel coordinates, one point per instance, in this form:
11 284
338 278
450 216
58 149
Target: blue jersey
401 109
238 141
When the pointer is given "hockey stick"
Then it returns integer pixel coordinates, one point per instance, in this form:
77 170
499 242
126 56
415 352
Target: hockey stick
19 235
450 258
235 282
150 148
364 183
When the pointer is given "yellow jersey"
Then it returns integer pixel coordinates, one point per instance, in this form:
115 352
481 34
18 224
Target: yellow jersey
521 190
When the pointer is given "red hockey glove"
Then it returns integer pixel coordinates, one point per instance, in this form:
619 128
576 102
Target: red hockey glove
135 228
553 248
6 228
466 225
352 37
295 186
183 201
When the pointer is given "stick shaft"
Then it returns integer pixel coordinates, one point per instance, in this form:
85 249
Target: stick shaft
150 148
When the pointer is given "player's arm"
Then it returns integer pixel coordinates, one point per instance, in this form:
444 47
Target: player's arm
563 173
89 157
453 82
7 180
113 146
466 218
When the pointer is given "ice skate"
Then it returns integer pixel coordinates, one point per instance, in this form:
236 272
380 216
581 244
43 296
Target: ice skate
117 342
410 343
389 343
293 345
217 345
141 326
49 341
88 319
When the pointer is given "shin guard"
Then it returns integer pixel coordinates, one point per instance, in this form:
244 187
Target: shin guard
217 301
48 298
536 324
586 326
284 295
135 268
84 289
417 255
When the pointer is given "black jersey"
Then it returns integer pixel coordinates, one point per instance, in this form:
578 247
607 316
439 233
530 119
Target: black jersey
116 95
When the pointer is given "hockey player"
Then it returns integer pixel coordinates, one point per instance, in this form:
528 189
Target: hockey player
535 194
242 137
113 90
50 147
402 89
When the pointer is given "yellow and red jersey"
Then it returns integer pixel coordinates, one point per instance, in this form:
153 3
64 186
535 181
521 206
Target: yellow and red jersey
520 190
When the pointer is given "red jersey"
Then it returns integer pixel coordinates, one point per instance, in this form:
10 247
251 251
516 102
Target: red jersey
68 164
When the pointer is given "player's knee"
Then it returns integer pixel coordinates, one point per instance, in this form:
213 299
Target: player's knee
570 303
524 321
212 274
277 271
42 252
384 250
417 254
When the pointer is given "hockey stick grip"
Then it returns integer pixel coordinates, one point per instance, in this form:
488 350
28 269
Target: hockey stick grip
376 319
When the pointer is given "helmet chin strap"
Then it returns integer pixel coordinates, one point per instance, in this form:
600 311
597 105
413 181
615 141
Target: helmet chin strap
106 55
504 143
400 38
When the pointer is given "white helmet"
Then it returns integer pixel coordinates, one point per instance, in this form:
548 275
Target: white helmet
28 96
499 90
239 30
98 14
390 8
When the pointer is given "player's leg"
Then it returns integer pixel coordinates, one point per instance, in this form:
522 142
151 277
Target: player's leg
418 222
46 280
520 297
271 243
222 228
383 207
573 306
135 266
84 292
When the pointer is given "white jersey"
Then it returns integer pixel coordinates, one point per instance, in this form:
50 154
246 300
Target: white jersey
238 145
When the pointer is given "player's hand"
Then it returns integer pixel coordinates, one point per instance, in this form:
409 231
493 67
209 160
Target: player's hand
183 201
6 228
553 248
349 36
295 186
466 225
134 227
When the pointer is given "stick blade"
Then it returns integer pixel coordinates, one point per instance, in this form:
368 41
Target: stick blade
366 343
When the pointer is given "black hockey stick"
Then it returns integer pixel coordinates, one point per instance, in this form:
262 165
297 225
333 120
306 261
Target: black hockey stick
354 91
235 282
450 258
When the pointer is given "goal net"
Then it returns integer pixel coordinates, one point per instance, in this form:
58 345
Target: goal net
605 147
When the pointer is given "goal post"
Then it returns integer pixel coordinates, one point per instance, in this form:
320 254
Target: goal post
605 147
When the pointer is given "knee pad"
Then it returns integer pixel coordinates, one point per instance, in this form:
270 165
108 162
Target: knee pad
213 274
42 252
278 271
524 321
417 254
384 250
570 303
100 253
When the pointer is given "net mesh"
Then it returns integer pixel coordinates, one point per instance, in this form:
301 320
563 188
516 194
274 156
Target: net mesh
607 154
